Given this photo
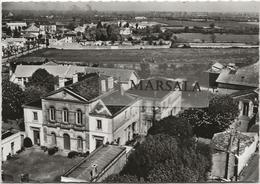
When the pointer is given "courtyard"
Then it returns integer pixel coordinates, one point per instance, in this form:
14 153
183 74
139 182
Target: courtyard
40 166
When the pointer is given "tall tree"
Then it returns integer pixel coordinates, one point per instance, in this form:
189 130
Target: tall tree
12 100
221 112
42 79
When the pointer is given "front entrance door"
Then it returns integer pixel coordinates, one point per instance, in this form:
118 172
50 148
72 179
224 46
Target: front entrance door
245 108
99 142
36 137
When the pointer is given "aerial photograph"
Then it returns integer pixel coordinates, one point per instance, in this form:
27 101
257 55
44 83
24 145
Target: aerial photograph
130 91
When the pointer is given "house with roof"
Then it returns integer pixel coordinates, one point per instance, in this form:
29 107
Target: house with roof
158 101
248 103
67 72
231 152
87 114
232 80
104 161
11 142
16 25
48 28
33 121
34 30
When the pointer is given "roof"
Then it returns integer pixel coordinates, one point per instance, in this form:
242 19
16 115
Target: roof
102 157
36 103
245 94
67 71
50 63
115 102
192 99
119 74
28 70
220 141
29 35
87 88
145 91
32 28
16 23
245 76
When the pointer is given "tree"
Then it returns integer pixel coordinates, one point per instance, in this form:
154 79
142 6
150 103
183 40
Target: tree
9 31
173 126
13 98
213 38
17 34
116 178
33 93
221 112
154 150
145 70
212 25
42 79
99 25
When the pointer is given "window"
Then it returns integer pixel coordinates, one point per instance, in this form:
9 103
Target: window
53 138
79 117
66 139
65 115
35 116
99 124
52 114
80 143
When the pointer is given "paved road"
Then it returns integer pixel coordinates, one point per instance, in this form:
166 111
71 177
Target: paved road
251 172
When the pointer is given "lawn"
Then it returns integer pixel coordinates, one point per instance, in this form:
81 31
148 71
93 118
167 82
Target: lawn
190 37
40 166
174 55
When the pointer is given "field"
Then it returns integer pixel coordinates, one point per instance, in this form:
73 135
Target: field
175 55
224 24
190 37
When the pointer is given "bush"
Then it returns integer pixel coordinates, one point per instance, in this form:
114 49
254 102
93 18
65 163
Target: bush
21 150
84 154
44 148
52 151
72 154
27 142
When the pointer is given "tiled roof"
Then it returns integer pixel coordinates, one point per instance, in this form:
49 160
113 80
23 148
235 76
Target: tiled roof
220 141
246 76
191 99
88 88
102 157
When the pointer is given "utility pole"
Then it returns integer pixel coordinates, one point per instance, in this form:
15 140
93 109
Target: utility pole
228 154
236 159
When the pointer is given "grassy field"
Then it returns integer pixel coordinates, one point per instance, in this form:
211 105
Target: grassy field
175 55
189 37
40 166
224 24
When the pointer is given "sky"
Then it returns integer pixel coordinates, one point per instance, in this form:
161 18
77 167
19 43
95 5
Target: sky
248 6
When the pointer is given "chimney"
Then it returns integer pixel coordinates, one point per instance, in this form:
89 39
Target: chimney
103 86
61 82
110 82
75 78
93 172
